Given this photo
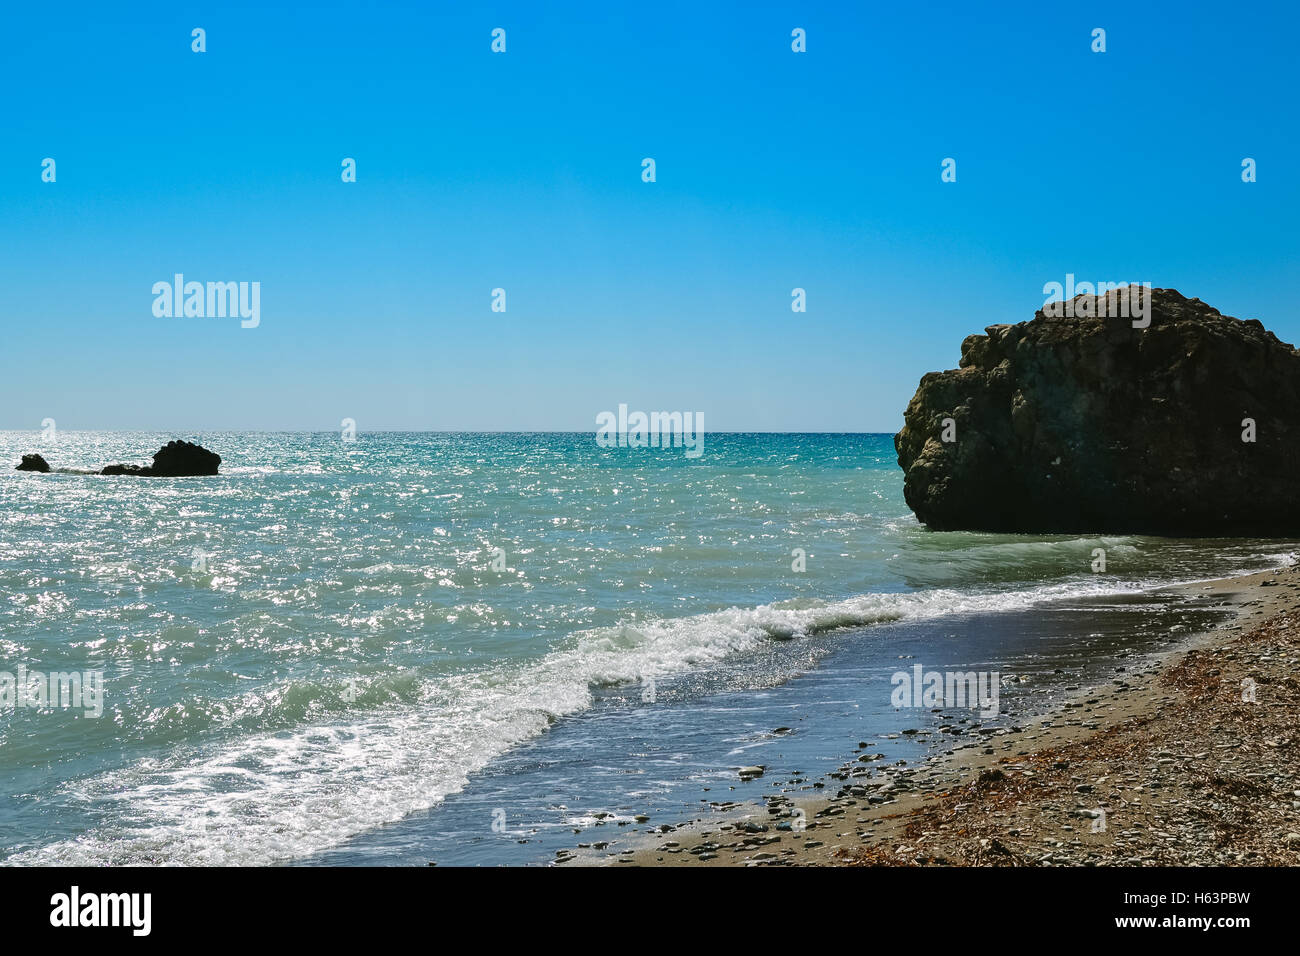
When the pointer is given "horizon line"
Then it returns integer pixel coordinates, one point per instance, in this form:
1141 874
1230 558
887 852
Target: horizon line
443 431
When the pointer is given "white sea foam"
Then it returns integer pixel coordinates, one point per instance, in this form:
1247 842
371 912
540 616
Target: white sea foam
280 796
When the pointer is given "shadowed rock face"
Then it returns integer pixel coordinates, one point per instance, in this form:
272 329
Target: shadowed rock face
176 459
1091 425
32 463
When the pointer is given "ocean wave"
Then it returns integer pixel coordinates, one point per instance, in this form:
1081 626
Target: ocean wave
274 796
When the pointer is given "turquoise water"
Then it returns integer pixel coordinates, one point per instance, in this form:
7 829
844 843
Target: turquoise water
331 637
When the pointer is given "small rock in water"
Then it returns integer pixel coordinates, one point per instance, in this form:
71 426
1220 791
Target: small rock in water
32 463
176 459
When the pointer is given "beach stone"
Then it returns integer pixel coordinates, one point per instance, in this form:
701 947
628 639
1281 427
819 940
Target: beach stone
1087 424
32 463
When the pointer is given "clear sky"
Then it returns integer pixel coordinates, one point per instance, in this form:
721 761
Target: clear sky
523 171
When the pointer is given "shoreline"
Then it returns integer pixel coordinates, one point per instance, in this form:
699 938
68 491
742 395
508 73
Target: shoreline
1163 765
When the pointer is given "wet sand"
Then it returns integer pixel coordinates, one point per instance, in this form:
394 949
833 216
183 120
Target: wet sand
1165 765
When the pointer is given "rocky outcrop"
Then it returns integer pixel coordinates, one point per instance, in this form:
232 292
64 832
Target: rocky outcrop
32 463
176 459
1187 426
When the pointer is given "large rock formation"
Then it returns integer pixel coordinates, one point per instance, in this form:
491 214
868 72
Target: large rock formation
32 463
1188 426
176 459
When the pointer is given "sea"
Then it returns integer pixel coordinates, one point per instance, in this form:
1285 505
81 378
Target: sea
479 649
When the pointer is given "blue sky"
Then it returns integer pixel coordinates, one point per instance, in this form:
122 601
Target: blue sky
522 171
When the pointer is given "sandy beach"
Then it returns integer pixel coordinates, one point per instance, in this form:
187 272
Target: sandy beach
1185 758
